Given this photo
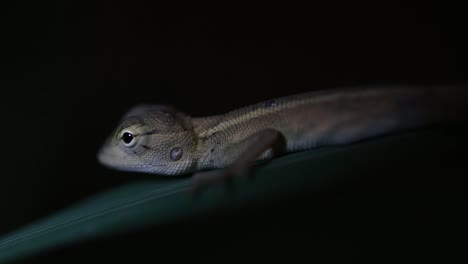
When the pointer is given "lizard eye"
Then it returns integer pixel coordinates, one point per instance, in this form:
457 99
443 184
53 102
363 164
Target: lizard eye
128 139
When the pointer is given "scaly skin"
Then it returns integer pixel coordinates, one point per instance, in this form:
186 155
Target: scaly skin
168 142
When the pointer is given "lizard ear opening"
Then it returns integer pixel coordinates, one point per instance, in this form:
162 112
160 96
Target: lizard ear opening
176 154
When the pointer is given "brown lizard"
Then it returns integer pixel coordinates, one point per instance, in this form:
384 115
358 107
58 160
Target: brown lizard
160 139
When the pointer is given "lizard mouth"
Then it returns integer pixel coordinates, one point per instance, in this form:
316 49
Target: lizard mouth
107 158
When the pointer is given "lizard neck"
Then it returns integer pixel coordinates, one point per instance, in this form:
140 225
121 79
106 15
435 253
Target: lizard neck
205 151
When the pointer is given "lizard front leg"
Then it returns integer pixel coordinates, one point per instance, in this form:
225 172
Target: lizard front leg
250 150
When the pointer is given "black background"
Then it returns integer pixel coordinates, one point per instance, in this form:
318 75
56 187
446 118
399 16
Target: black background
71 68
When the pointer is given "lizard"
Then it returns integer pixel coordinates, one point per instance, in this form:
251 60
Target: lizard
162 139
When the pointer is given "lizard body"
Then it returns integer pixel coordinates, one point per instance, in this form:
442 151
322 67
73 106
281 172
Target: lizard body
162 140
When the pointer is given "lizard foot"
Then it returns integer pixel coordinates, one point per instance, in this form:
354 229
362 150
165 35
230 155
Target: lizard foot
258 143
206 178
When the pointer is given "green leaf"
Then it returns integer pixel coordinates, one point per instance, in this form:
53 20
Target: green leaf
160 201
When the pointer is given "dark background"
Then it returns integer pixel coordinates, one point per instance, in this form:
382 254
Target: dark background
71 68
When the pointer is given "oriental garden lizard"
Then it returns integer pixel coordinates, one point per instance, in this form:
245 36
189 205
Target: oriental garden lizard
160 139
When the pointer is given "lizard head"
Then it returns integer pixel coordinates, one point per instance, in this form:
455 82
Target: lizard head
151 139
